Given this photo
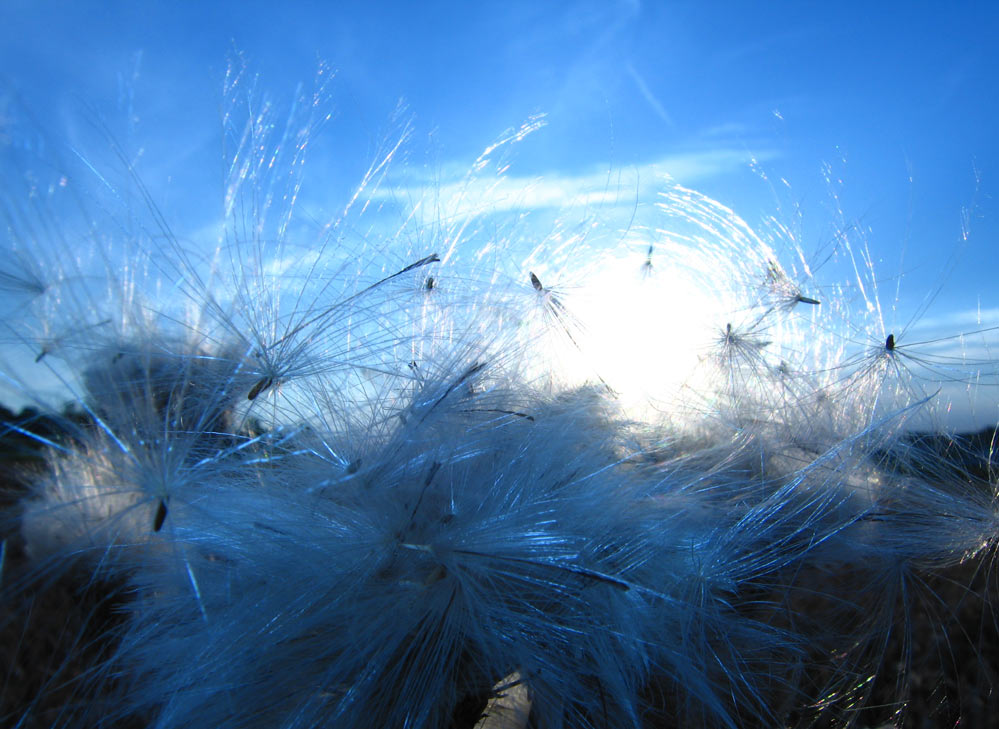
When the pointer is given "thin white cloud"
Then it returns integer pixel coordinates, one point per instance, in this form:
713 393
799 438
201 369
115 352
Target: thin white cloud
598 187
650 98
959 321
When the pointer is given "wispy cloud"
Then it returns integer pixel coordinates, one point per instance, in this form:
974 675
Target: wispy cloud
649 96
477 195
960 321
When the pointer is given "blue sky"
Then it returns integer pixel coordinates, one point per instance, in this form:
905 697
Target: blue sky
898 101
900 98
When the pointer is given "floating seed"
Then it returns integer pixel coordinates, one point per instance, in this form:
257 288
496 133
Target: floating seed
161 515
262 384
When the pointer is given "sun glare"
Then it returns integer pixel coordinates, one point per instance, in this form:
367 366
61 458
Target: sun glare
647 329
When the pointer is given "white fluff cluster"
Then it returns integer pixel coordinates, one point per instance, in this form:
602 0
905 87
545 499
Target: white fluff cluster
359 475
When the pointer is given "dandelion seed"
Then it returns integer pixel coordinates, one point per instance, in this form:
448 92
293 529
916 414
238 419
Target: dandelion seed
647 266
783 293
742 342
555 309
501 412
476 368
890 343
161 515
261 385
56 343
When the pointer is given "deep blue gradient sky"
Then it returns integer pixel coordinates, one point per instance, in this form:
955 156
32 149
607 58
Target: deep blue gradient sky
898 101
900 98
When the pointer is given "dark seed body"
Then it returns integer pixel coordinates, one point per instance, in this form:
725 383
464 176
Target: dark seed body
161 515
262 384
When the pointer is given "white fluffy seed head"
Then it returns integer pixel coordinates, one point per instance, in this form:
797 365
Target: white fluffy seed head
356 473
